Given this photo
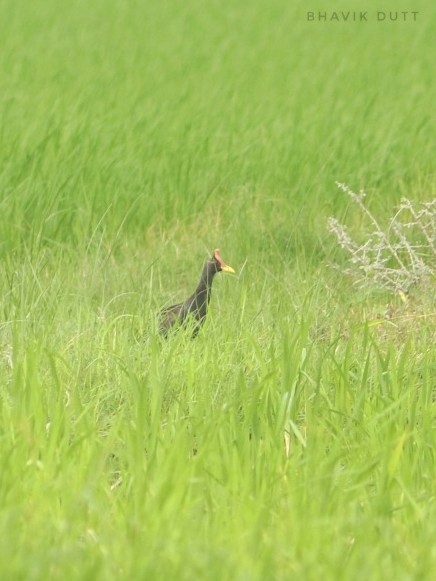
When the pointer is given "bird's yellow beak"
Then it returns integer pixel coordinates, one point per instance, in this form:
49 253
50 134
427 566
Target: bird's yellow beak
223 266
227 268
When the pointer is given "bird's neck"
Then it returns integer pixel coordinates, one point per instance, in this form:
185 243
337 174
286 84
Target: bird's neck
206 279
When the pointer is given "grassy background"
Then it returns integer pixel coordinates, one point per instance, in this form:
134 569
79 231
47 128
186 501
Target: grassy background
134 138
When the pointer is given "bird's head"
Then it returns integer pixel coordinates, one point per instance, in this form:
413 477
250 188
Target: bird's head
220 265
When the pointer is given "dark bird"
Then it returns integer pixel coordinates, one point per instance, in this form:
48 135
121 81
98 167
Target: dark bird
195 307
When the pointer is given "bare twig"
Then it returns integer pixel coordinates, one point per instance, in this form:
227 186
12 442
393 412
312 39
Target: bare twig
398 258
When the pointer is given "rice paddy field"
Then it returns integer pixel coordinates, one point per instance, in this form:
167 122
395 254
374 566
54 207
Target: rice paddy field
295 436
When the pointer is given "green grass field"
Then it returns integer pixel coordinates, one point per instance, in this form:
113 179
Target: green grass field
295 437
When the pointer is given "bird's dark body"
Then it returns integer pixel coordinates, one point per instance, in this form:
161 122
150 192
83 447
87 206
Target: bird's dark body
194 309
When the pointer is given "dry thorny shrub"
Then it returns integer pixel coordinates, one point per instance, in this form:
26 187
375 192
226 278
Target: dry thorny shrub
394 259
